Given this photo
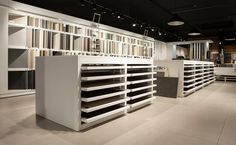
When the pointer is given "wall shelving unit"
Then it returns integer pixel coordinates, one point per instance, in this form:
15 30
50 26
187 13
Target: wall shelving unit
29 32
98 88
193 75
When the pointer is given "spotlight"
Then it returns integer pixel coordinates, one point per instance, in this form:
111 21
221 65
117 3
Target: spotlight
159 33
118 16
134 24
153 29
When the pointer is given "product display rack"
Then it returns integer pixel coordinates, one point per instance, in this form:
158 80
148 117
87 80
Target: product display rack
30 32
139 84
197 75
98 88
193 75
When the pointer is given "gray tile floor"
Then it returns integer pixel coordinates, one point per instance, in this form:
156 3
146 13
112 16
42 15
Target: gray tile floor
207 117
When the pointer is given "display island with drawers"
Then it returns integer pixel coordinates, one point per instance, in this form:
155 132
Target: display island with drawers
81 91
192 75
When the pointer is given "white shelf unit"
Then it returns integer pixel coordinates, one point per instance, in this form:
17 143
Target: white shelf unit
225 73
29 32
193 75
140 85
91 89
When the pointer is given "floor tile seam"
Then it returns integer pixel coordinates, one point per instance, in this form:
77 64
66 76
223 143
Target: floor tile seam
222 129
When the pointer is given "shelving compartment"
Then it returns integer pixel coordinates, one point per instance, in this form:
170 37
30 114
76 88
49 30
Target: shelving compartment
103 92
140 85
77 43
16 36
33 38
19 80
18 58
14 18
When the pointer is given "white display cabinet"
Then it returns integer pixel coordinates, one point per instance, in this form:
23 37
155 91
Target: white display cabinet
28 31
192 75
225 73
81 91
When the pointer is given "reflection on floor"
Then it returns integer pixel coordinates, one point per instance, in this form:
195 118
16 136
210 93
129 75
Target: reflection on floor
206 117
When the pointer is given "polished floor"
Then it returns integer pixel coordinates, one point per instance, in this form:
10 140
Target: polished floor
207 117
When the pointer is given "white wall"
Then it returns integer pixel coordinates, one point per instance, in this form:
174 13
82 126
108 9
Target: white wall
164 51
181 51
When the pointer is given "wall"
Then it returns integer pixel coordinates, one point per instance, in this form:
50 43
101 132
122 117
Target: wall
213 47
163 51
181 51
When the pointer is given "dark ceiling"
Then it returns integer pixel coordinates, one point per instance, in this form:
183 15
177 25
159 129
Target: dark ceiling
210 17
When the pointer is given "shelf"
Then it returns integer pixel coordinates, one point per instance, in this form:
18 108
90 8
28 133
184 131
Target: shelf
189 76
16 25
136 67
97 105
103 113
189 91
101 94
141 81
140 74
101 67
140 102
191 80
142 95
189 86
17 47
19 69
199 78
200 82
189 71
101 85
192 66
142 88
93 78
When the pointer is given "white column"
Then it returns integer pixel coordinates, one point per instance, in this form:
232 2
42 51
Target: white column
3 50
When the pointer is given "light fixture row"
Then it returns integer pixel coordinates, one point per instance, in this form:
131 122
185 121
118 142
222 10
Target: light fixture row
177 21
135 23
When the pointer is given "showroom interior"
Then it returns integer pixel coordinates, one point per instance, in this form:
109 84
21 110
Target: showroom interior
127 72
